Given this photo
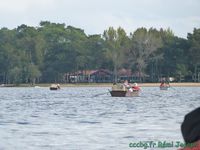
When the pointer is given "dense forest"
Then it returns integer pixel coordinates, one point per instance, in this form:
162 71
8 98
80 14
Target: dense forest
46 53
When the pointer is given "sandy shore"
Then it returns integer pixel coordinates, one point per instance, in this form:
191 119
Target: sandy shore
186 84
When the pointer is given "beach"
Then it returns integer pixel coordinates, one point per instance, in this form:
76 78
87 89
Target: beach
174 84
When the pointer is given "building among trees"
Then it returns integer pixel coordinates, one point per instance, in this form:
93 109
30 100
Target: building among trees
45 53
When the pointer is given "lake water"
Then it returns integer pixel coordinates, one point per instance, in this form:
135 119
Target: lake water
88 118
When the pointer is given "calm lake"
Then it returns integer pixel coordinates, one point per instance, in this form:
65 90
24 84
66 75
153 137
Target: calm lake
88 118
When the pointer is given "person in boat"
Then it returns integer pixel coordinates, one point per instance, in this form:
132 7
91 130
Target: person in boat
164 84
58 86
114 87
190 129
135 87
126 84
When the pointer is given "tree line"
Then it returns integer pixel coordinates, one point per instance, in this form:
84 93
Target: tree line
45 53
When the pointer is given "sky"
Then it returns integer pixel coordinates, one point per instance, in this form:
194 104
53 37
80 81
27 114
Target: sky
95 16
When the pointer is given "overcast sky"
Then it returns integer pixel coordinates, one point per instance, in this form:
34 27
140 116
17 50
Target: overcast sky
94 16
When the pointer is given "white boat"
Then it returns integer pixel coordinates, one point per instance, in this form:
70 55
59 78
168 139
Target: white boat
55 87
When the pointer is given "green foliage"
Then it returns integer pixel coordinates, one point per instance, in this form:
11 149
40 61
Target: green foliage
175 55
46 53
15 75
144 48
194 50
33 73
116 43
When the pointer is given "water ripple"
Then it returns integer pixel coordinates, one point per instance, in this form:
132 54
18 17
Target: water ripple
82 118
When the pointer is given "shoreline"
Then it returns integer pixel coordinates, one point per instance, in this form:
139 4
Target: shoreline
185 84
175 84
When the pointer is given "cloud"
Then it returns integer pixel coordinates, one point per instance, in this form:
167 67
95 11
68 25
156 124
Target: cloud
19 6
94 16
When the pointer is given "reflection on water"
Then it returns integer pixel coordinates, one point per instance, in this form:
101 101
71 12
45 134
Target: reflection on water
89 118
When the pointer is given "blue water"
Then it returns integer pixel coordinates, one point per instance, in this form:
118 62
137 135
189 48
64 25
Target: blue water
88 118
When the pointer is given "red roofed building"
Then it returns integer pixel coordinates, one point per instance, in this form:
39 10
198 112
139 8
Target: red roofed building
98 76
127 74
102 76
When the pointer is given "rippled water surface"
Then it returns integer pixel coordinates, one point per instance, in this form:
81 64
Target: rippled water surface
88 118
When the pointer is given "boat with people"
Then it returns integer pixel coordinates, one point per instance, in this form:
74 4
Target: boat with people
164 86
124 93
55 87
125 90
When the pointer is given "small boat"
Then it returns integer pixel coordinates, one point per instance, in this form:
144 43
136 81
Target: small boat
55 87
164 87
118 93
124 93
119 90
36 87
